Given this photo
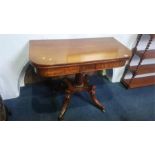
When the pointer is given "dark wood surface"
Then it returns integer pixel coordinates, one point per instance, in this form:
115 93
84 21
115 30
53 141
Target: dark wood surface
52 58
147 55
79 84
3 113
139 82
143 69
52 71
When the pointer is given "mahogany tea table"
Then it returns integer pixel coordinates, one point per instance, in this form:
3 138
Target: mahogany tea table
52 58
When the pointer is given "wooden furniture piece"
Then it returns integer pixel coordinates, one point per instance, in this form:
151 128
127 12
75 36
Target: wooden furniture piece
140 68
3 112
53 58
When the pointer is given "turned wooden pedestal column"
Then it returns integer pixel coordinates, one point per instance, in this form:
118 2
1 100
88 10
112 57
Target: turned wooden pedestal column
80 84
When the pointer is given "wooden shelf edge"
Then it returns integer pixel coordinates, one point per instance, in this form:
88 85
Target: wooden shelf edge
152 35
143 69
139 82
148 55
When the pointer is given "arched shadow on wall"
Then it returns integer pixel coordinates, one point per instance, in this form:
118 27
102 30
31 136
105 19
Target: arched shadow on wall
24 66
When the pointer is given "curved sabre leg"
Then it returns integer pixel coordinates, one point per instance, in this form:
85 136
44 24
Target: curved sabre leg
64 106
92 92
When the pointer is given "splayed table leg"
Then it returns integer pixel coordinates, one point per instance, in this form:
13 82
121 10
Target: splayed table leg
80 84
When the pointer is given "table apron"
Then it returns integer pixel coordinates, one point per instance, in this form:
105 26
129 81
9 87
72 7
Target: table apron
81 68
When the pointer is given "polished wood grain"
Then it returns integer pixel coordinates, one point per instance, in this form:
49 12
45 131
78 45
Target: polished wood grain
54 71
66 57
76 56
58 52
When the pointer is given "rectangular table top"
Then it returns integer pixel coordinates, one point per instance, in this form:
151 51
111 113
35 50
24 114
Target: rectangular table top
71 51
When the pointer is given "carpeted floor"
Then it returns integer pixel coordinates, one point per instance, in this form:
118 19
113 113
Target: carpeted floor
39 102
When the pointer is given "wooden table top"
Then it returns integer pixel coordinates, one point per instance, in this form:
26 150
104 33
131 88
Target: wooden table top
71 51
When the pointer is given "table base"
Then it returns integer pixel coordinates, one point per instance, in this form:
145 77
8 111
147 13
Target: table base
80 84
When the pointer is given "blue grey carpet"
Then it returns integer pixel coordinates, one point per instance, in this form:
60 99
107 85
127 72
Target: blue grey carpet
39 102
